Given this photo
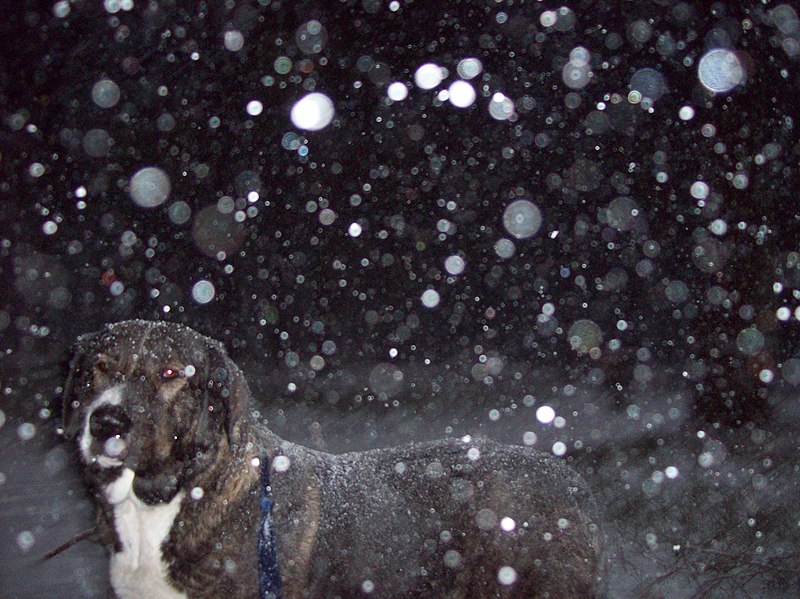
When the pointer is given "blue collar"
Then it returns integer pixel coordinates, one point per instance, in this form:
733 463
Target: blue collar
269 573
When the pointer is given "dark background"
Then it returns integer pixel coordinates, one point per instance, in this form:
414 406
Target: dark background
673 382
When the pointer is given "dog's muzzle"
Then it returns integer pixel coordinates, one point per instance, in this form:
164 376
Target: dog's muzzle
108 426
111 439
107 422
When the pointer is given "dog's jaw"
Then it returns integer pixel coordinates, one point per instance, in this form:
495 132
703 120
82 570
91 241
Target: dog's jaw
138 570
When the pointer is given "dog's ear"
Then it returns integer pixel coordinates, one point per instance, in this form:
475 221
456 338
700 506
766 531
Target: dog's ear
228 388
71 407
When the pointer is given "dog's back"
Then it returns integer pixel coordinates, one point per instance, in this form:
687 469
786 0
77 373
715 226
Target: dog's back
456 518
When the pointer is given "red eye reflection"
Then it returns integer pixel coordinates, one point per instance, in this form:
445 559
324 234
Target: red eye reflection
169 373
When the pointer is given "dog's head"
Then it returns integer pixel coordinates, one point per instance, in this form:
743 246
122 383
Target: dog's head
157 398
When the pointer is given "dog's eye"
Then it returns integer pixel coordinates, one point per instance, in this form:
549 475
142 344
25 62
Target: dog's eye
170 373
103 365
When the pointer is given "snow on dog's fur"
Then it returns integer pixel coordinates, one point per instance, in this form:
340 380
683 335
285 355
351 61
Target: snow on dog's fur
172 454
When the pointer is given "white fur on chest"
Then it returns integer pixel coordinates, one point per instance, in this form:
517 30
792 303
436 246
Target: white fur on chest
139 570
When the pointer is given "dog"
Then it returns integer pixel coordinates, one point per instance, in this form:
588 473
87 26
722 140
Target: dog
171 453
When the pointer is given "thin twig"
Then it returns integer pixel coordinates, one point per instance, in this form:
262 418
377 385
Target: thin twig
76 539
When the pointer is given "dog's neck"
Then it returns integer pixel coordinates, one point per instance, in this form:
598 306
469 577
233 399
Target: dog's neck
138 567
218 480
230 485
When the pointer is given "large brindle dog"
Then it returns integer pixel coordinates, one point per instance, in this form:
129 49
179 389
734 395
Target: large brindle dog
171 452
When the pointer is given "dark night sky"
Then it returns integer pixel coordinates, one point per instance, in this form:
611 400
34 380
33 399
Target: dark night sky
424 180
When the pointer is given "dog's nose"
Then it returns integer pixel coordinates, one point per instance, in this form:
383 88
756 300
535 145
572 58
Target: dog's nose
109 421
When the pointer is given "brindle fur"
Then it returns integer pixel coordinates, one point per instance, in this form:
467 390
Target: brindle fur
386 516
